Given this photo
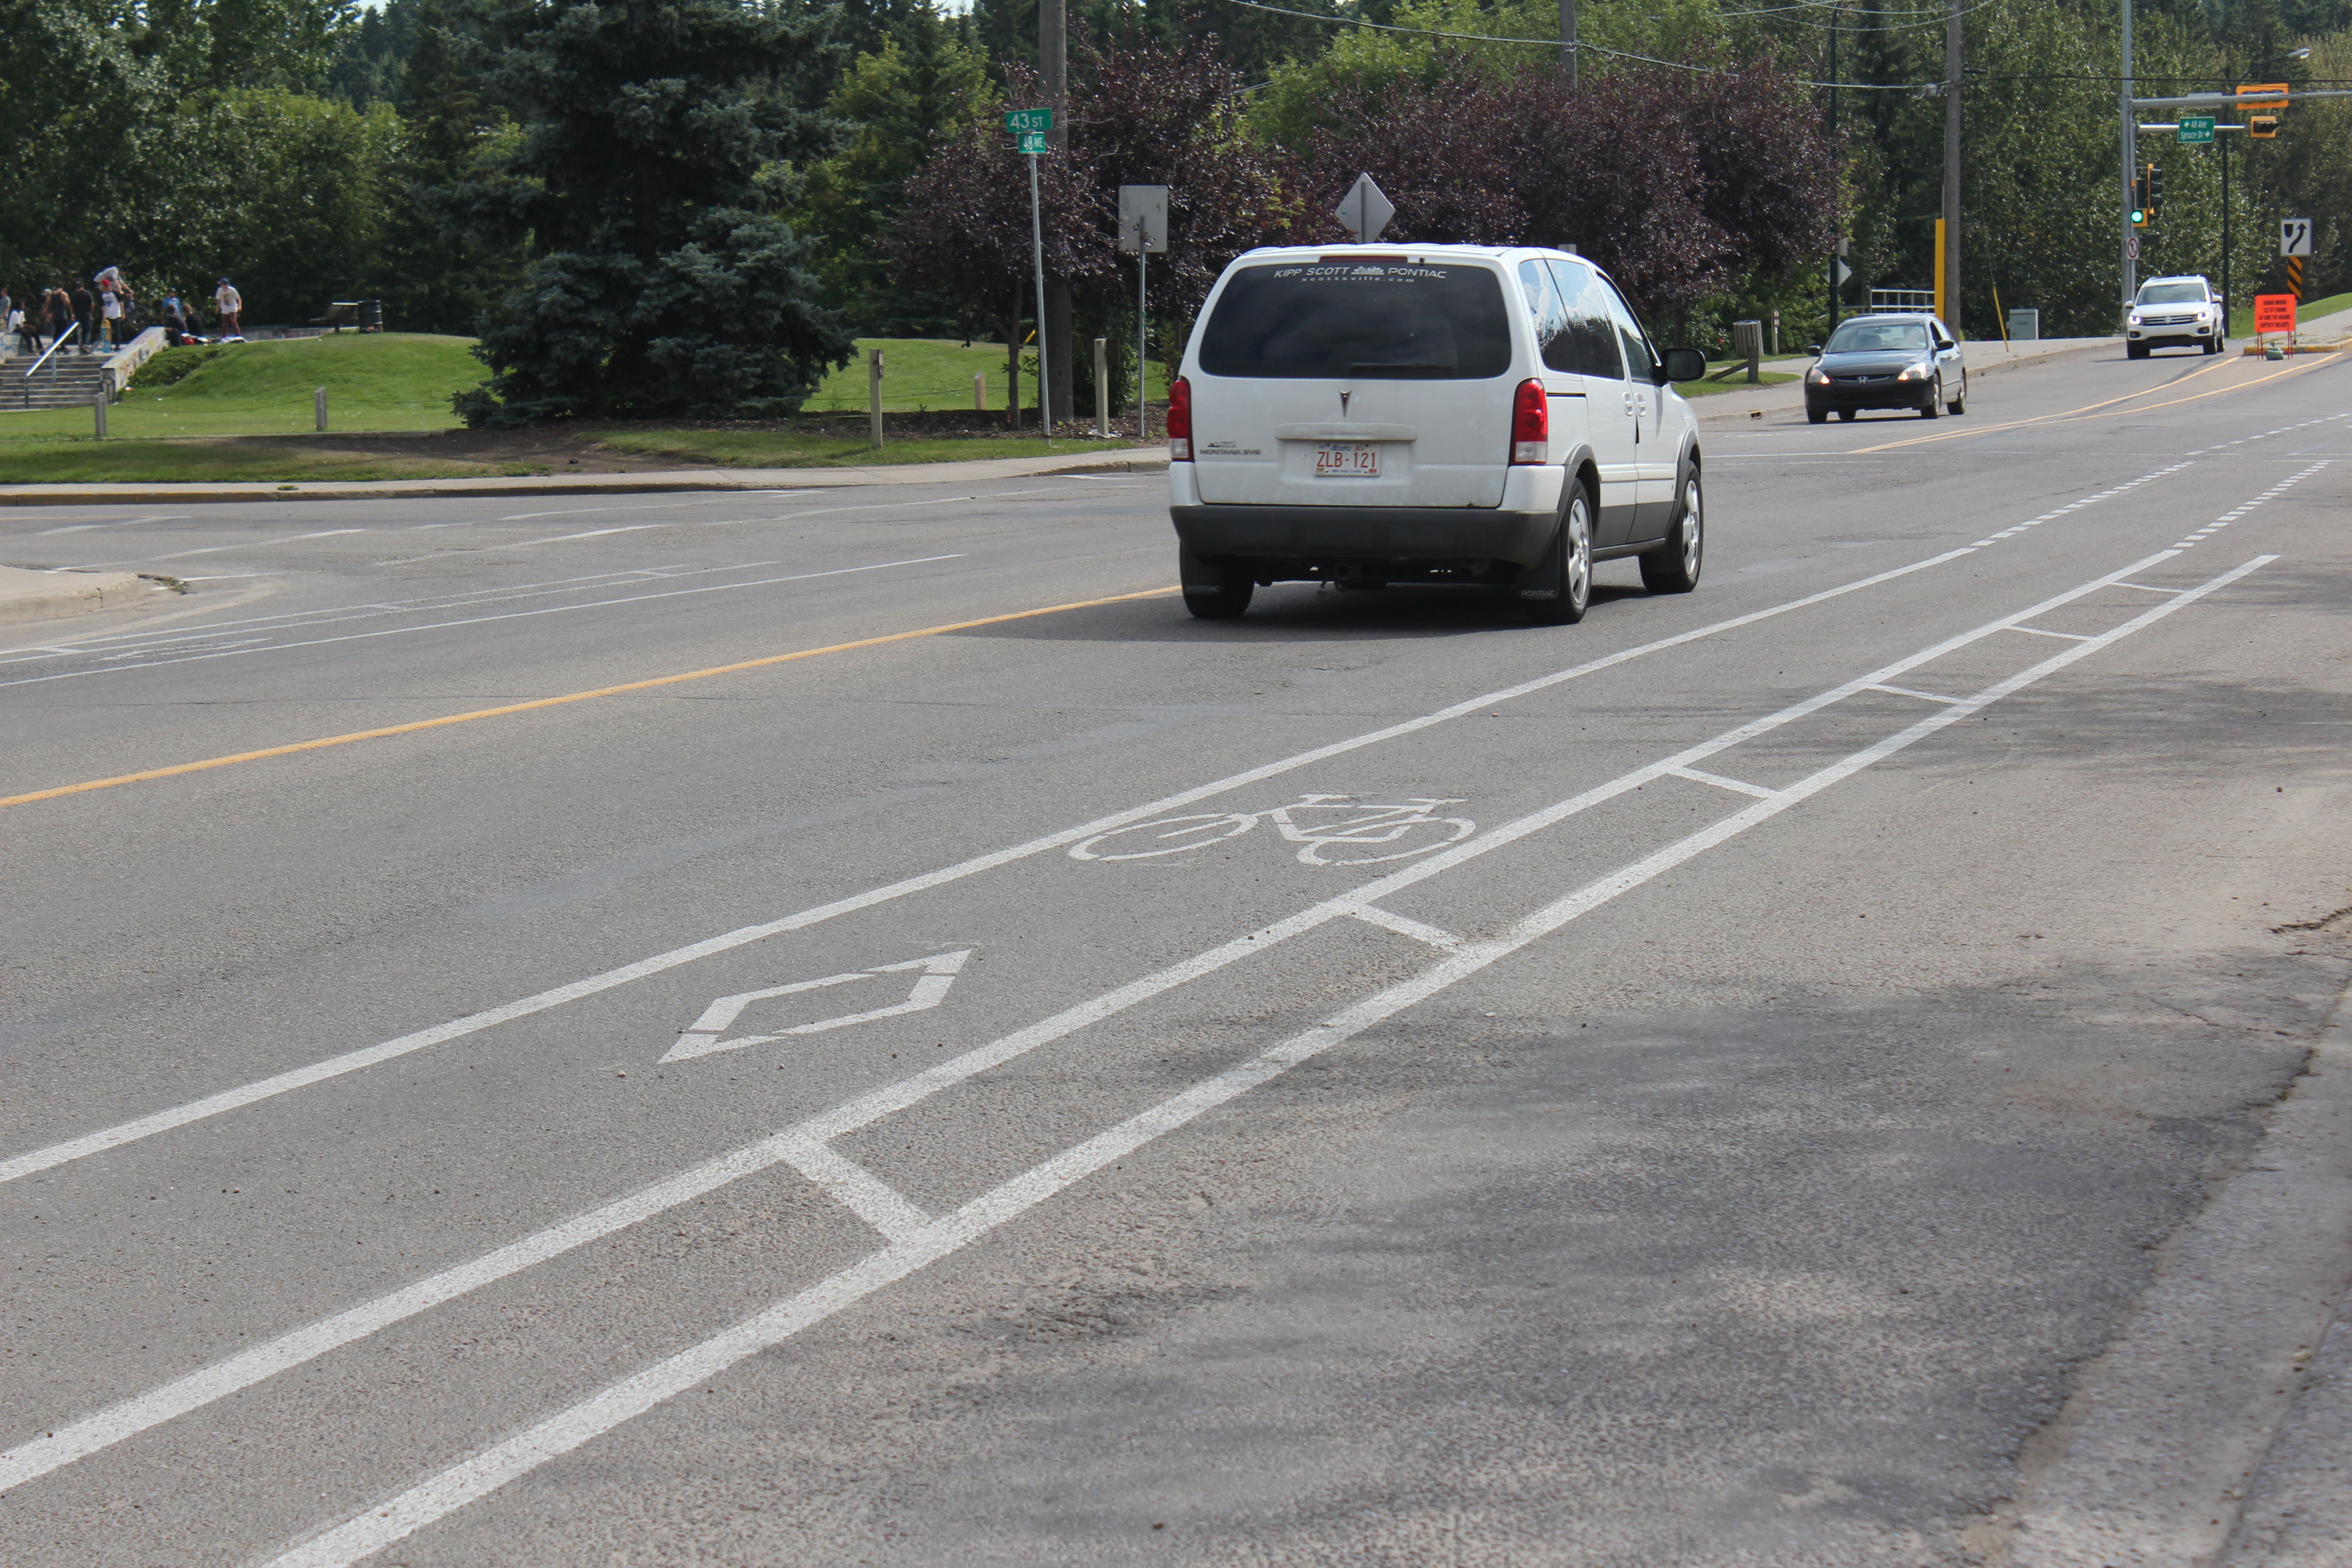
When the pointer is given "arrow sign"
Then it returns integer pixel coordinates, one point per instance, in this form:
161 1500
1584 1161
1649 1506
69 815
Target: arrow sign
938 973
1365 211
1839 271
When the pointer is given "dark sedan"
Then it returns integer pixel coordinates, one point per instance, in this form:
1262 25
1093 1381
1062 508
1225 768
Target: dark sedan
1905 361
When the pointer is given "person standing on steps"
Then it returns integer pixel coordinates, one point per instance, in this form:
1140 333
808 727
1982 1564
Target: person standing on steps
58 310
85 311
229 306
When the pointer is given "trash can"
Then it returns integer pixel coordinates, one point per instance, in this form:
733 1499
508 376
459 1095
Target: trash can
1748 343
371 315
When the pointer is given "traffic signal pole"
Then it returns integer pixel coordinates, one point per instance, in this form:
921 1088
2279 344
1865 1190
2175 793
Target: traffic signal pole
1951 224
1830 315
2130 136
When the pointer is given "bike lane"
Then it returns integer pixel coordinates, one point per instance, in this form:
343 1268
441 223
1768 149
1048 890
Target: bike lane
1240 893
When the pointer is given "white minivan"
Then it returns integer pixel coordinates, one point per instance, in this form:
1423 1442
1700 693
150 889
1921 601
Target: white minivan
1373 413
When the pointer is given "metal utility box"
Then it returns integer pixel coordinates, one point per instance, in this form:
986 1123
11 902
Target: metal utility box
2025 326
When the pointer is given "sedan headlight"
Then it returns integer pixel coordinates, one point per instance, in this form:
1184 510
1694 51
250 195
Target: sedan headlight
1916 372
1820 377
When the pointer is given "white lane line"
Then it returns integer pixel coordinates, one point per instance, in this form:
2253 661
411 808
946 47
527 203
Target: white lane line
591 533
216 549
286 1082
2081 501
2147 587
116 522
1406 925
102 1429
1699 775
485 1472
2039 632
2226 519
195 657
1936 697
465 599
729 499
858 1190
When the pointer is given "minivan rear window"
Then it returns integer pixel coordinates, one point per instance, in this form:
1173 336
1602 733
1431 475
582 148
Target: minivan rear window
1364 319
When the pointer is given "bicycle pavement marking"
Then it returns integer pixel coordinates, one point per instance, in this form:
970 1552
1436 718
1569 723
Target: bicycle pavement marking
806 1145
205 1106
392 1519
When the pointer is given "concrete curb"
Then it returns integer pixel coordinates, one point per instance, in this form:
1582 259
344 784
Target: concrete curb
2167 1430
40 595
1134 459
1790 395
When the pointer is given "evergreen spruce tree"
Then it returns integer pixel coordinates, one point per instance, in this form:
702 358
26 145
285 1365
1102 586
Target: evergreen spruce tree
650 179
439 272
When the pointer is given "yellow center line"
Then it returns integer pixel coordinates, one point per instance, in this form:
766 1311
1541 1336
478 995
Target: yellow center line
2084 415
410 729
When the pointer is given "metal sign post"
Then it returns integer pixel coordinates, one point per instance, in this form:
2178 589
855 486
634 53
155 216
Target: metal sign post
1142 229
1365 210
1029 125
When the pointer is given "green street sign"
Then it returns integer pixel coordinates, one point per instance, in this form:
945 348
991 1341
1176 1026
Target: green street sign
2195 128
1021 120
1031 141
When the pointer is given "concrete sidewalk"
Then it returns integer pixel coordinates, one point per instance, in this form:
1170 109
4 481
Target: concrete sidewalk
1983 359
1132 460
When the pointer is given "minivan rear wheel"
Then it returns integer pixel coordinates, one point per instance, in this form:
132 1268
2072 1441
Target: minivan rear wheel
1565 577
1214 591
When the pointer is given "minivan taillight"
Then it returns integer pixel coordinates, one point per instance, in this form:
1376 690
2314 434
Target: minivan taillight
1179 421
1531 423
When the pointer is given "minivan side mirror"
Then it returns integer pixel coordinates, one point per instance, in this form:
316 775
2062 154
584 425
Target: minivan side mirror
1683 364
1813 349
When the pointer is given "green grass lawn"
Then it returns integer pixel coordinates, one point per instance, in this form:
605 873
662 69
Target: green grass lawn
176 422
388 381
807 449
936 374
1734 383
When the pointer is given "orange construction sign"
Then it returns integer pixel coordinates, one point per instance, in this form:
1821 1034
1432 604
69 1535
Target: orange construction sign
2274 313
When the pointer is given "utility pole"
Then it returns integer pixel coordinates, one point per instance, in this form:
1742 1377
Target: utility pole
2130 137
1568 40
1056 385
1830 315
1952 71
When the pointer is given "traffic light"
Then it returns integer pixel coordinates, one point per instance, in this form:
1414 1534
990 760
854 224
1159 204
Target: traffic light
2140 202
2155 190
2263 127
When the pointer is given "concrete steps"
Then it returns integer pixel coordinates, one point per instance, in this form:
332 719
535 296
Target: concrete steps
69 381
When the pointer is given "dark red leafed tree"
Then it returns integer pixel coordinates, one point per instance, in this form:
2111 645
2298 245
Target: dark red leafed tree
1677 181
1142 112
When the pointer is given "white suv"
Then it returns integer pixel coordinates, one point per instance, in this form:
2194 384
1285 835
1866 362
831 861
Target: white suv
1377 414
2175 312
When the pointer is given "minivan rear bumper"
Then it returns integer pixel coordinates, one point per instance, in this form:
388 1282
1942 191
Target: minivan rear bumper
1372 533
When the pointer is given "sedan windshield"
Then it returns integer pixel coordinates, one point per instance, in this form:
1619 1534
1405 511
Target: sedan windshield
2173 294
1878 337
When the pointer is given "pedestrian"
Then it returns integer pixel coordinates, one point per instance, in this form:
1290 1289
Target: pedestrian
228 309
113 317
12 320
85 314
175 326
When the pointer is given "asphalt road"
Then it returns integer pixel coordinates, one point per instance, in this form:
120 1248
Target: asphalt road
1690 1088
